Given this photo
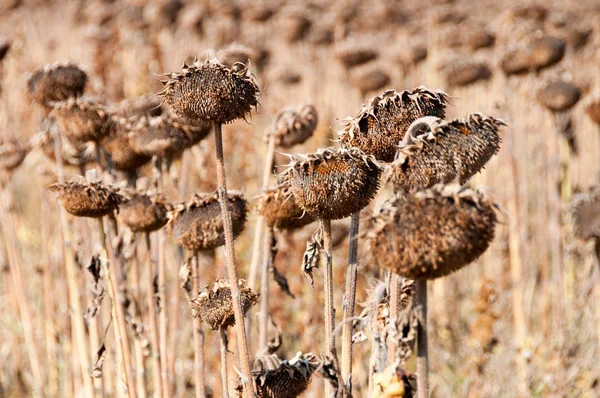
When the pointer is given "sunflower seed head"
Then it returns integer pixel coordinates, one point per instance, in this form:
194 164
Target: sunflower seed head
143 213
559 96
56 82
89 199
123 156
280 209
294 126
585 210
82 119
382 121
464 72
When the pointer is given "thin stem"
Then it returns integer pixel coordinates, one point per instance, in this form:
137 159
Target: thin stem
224 377
162 315
422 350
232 267
264 291
395 291
350 300
119 325
137 343
329 313
150 302
198 335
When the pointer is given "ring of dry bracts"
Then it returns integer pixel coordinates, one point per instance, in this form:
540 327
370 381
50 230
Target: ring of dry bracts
209 91
432 233
214 306
275 378
197 225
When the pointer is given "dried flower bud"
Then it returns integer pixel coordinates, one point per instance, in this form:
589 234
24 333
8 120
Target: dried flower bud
215 307
90 199
432 233
434 151
197 225
382 121
292 127
211 92
559 96
82 120
56 82
333 183
280 210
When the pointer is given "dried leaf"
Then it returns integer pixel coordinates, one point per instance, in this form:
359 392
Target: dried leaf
185 276
311 256
275 342
94 267
98 362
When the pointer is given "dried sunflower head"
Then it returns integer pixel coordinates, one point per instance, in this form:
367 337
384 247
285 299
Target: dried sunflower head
369 78
148 105
333 183
515 61
465 72
215 307
592 108
280 209
197 225
382 122
89 199
275 378
559 96
12 154
211 92
352 53
434 150
82 120
585 210
432 233
72 153
122 154
234 53
56 82
165 136
292 127
545 52
143 213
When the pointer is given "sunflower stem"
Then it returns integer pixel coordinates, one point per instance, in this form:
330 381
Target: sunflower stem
395 289
198 335
422 350
137 343
242 342
329 313
350 300
224 378
151 303
264 291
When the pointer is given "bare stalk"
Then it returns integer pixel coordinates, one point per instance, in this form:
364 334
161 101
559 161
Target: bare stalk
224 377
350 300
119 326
154 344
395 291
137 344
198 335
422 350
244 353
264 291
329 313
162 315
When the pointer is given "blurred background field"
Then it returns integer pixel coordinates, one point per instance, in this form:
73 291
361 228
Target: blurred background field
531 303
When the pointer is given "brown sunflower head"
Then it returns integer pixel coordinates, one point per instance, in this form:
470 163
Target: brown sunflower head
165 136
369 78
432 233
72 153
333 183
280 210
117 145
12 154
352 53
82 120
215 307
592 108
89 199
382 122
275 378
559 96
56 82
294 126
545 52
235 53
585 211
143 213
465 72
148 105
211 92
515 61
434 150
197 225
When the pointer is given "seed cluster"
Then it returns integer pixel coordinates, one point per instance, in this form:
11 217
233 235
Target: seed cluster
559 96
211 92
280 210
143 213
82 119
197 225
56 82
292 127
89 199
215 307
434 151
333 183
432 233
383 120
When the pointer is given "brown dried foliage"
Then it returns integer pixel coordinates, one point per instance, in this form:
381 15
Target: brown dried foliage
333 183
432 233
382 122
56 82
215 307
197 225
280 209
90 199
211 92
434 151
293 127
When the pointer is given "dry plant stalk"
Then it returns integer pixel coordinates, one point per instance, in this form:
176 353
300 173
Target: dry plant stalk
198 334
154 332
